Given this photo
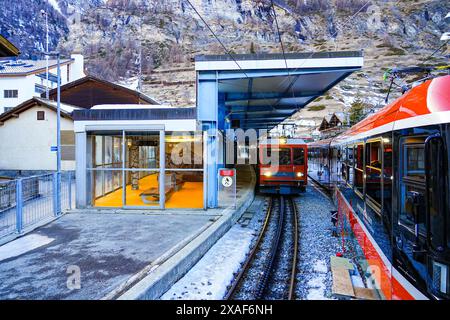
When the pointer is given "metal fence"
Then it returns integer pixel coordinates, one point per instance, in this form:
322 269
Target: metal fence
28 201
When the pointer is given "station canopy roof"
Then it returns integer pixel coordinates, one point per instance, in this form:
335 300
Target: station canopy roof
261 90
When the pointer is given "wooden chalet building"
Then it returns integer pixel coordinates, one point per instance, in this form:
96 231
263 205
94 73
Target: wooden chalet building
91 91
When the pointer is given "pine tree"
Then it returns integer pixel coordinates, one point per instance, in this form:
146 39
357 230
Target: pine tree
357 110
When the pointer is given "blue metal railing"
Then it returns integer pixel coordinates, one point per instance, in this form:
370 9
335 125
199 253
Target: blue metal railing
29 201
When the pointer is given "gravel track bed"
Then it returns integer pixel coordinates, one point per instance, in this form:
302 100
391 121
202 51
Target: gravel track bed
278 285
316 246
251 278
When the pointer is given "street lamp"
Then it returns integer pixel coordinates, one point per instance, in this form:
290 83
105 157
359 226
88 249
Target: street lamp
58 130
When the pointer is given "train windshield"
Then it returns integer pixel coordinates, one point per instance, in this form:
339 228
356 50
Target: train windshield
299 156
274 156
285 156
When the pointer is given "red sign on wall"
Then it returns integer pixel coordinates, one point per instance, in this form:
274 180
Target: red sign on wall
226 172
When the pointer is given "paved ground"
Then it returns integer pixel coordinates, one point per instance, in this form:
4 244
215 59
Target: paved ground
108 249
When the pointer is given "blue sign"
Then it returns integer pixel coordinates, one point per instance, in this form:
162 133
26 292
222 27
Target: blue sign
54 148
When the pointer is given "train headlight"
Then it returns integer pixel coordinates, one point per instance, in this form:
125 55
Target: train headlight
300 174
267 174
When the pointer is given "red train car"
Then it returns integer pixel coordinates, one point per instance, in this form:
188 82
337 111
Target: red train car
390 173
283 165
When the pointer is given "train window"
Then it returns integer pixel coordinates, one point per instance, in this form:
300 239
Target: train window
350 156
359 156
415 161
387 178
412 183
285 156
344 164
359 172
350 161
373 173
299 156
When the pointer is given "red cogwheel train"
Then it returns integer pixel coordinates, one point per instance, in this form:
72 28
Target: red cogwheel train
390 175
283 166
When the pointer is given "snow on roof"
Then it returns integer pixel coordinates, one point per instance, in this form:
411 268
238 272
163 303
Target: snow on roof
129 106
14 67
64 107
340 116
305 122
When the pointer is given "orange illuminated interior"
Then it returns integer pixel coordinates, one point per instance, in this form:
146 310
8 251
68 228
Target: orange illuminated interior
189 195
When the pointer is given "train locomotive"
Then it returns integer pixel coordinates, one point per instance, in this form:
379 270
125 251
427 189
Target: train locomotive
390 174
282 166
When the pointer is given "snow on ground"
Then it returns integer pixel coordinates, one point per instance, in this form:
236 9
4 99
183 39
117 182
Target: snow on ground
22 245
209 278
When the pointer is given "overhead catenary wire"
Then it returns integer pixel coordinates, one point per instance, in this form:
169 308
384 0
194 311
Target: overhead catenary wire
332 35
224 47
279 34
217 38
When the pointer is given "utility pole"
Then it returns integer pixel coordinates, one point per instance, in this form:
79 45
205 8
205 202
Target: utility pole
140 52
44 13
58 130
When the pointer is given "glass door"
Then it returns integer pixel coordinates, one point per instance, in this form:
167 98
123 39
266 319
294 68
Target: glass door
143 180
104 167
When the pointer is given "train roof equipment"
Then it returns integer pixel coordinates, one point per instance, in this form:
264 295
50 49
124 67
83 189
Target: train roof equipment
425 104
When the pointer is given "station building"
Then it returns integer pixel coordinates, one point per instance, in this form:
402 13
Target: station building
125 153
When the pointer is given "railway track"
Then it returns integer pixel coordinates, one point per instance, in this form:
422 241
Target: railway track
269 271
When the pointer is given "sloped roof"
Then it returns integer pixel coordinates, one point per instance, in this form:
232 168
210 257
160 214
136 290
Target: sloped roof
340 116
90 78
324 124
7 49
66 110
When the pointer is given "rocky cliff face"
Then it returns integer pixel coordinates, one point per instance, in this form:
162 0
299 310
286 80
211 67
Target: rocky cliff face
168 33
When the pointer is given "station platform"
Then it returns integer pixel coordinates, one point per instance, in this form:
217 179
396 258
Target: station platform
120 254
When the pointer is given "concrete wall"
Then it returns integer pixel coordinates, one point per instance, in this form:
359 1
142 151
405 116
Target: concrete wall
76 70
24 85
25 142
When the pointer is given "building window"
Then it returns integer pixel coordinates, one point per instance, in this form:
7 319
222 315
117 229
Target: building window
40 115
10 93
67 145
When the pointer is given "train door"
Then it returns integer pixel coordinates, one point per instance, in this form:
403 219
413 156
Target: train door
410 237
437 212
335 163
